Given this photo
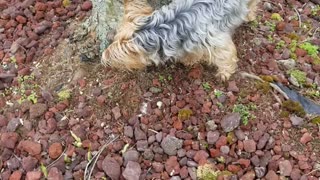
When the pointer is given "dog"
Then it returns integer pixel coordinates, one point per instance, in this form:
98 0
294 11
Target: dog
185 31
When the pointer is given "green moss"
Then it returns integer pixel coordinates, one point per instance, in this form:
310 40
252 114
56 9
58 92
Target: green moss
207 172
300 76
276 17
312 50
244 112
293 107
280 44
315 10
184 114
316 120
231 138
263 86
271 25
293 36
64 95
218 93
293 46
284 114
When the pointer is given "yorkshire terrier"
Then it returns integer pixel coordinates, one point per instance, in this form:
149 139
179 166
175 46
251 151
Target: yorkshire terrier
186 31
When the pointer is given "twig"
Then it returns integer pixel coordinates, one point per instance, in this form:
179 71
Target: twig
299 17
274 86
95 159
153 131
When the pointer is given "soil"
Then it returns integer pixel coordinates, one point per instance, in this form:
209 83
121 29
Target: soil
61 110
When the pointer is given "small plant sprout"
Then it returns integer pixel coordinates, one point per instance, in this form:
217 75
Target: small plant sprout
244 112
206 86
218 93
44 170
77 142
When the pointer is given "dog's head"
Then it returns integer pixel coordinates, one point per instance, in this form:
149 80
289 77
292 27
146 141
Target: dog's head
125 55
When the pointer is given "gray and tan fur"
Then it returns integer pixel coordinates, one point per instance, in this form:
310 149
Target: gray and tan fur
187 31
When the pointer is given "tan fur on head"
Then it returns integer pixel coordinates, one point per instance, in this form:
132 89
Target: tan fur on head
253 6
134 10
124 55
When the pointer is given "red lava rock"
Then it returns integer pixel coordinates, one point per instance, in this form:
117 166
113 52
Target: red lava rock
9 140
172 166
249 145
177 124
244 162
86 6
195 73
181 104
55 173
280 26
21 19
249 176
29 163
306 137
233 87
214 153
233 168
55 150
101 100
271 175
111 167
301 52
16 175
31 147
116 112
61 11
33 175
222 141
200 155
3 4
157 167
206 108
40 6
184 172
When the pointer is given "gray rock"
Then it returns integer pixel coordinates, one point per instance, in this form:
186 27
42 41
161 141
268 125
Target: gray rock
132 171
181 153
287 64
159 136
192 172
131 155
296 121
171 144
37 110
139 134
111 167
29 163
225 149
263 141
240 134
13 124
175 178
260 171
128 131
212 137
192 164
148 154
211 126
230 122
285 168
142 145
116 112
13 164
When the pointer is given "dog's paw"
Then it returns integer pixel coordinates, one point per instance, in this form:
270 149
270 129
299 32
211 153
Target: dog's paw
223 76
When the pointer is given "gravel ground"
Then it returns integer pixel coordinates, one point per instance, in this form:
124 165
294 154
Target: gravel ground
64 116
